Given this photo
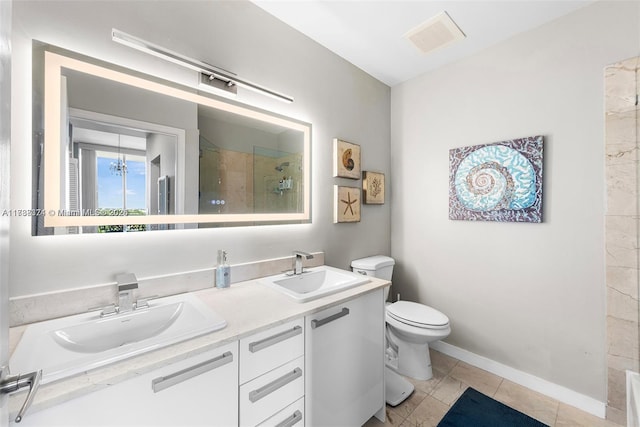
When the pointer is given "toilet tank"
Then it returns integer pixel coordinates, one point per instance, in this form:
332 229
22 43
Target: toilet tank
379 266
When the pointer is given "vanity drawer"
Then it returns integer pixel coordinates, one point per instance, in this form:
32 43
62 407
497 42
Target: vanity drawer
291 416
269 349
271 392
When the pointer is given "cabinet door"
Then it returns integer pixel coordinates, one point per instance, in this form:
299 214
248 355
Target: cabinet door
344 350
201 390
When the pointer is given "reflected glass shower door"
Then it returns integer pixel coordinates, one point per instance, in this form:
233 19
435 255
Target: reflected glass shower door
209 196
277 181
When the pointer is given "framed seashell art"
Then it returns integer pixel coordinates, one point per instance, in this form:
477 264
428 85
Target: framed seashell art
346 163
501 181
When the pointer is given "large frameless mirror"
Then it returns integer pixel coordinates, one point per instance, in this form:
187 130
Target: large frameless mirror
127 152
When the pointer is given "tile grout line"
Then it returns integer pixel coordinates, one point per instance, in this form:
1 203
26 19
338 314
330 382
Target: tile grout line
446 377
497 388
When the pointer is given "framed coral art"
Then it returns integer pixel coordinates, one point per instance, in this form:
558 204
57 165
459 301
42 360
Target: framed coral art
346 204
497 182
372 188
346 163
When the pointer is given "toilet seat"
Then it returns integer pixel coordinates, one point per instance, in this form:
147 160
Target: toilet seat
418 315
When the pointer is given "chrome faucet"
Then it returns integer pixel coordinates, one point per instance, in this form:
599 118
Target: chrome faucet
126 284
297 261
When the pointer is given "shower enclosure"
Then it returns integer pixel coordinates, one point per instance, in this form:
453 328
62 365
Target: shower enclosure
622 231
264 181
277 181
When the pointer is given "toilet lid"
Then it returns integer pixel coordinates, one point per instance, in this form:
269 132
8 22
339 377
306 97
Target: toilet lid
415 314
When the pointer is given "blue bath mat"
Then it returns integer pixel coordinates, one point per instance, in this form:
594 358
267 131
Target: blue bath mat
474 409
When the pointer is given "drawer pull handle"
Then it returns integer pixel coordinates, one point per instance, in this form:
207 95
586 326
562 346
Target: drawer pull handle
274 385
291 421
317 323
274 339
161 383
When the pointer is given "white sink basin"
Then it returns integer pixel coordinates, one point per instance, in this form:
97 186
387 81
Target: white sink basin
314 282
70 345
115 331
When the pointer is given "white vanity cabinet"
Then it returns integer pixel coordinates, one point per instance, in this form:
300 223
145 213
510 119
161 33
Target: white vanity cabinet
344 350
200 390
272 376
325 369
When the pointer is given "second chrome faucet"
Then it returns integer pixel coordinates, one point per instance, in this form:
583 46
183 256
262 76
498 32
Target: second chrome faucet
297 261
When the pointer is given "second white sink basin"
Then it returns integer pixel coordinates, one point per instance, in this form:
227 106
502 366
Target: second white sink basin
70 345
314 282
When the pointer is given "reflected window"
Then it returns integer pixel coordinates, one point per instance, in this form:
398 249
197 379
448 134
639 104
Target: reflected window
121 183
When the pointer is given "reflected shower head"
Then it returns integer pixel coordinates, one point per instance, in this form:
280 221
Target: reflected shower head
281 166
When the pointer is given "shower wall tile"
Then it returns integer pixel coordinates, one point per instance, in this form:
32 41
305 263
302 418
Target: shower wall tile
622 128
617 416
623 337
620 81
623 280
617 256
621 305
622 354
617 389
622 363
621 231
622 189
236 181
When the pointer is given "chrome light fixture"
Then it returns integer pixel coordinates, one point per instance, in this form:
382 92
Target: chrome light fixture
210 74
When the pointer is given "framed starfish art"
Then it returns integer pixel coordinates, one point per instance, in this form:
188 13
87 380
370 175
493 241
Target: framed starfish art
346 204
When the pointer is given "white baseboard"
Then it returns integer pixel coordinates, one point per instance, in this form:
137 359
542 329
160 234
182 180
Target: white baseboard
555 391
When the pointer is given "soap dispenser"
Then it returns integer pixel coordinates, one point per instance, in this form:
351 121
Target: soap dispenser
223 271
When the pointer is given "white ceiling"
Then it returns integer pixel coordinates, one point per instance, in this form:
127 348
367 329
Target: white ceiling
370 34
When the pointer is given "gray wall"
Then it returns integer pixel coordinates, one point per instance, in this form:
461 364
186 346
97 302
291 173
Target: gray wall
337 98
531 296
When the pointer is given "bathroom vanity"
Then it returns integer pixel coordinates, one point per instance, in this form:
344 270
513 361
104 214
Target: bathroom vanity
277 362
344 379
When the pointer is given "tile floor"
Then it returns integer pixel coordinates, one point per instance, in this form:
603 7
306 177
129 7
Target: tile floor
432 399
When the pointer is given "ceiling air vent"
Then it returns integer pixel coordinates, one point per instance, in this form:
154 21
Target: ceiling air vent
435 33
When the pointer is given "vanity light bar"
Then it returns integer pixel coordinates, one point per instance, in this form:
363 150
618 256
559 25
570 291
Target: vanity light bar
217 86
218 73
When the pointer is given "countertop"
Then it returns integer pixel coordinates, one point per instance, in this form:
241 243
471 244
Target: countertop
248 307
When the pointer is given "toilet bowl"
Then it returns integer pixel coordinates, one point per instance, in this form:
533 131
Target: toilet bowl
410 328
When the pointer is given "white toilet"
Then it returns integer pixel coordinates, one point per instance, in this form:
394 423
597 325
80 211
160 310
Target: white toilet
410 329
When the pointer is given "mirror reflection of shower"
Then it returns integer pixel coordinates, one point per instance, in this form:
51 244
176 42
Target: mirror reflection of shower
277 180
212 193
281 166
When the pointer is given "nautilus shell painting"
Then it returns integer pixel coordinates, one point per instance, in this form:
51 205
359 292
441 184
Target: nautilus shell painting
346 159
497 182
